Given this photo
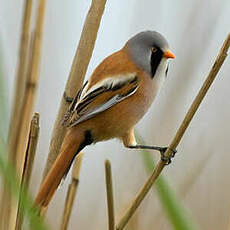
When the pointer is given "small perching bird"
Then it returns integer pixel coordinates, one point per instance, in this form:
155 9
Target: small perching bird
111 102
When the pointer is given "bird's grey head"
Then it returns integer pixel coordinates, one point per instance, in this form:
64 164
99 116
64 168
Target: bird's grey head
148 49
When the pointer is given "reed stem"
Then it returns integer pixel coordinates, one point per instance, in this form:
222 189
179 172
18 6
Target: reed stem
109 190
79 66
28 164
72 190
19 90
25 114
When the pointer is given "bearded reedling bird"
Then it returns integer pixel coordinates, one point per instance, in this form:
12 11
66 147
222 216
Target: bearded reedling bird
111 102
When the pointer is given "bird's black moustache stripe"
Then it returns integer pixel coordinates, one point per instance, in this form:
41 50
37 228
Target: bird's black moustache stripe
155 61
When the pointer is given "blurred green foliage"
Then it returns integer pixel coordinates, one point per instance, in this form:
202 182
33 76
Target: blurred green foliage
177 213
9 175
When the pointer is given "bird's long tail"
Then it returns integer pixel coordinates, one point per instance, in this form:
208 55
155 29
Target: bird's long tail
74 142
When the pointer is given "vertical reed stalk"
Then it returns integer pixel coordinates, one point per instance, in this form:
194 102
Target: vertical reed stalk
31 84
109 190
72 190
179 134
77 74
28 100
28 164
20 83
17 103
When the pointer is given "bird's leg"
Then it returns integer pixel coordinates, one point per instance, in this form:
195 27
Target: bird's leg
130 142
67 98
162 151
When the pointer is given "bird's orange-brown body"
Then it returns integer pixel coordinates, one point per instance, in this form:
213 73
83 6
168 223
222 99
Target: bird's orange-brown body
106 125
110 123
116 121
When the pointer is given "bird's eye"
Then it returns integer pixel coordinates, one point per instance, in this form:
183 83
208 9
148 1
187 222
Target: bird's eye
154 49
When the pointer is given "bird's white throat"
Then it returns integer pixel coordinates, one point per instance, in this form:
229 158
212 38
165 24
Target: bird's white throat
160 74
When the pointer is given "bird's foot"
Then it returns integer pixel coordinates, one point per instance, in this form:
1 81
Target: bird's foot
167 159
67 98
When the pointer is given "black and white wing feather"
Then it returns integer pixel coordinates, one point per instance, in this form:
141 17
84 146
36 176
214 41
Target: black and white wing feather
91 101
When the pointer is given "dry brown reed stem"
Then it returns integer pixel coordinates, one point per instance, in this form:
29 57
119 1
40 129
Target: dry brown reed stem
109 190
28 164
31 84
29 98
179 134
20 80
17 101
79 67
72 190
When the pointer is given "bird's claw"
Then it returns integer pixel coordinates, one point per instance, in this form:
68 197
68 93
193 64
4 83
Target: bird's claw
167 159
67 98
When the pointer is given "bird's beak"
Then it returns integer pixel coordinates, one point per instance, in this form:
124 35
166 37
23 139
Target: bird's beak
168 54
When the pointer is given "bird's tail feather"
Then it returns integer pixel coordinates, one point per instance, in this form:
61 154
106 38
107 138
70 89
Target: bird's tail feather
74 142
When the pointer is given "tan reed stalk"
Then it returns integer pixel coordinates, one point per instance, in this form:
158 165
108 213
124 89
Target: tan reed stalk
31 84
20 82
133 223
29 99
17 102
28 164
179 134
72 190
77 74
109 190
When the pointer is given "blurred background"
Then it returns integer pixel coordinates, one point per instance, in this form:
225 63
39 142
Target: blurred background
198 175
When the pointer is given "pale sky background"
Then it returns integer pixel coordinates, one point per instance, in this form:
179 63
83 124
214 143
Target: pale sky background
195 31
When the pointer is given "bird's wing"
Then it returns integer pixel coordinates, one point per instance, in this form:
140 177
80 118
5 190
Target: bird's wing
92 100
